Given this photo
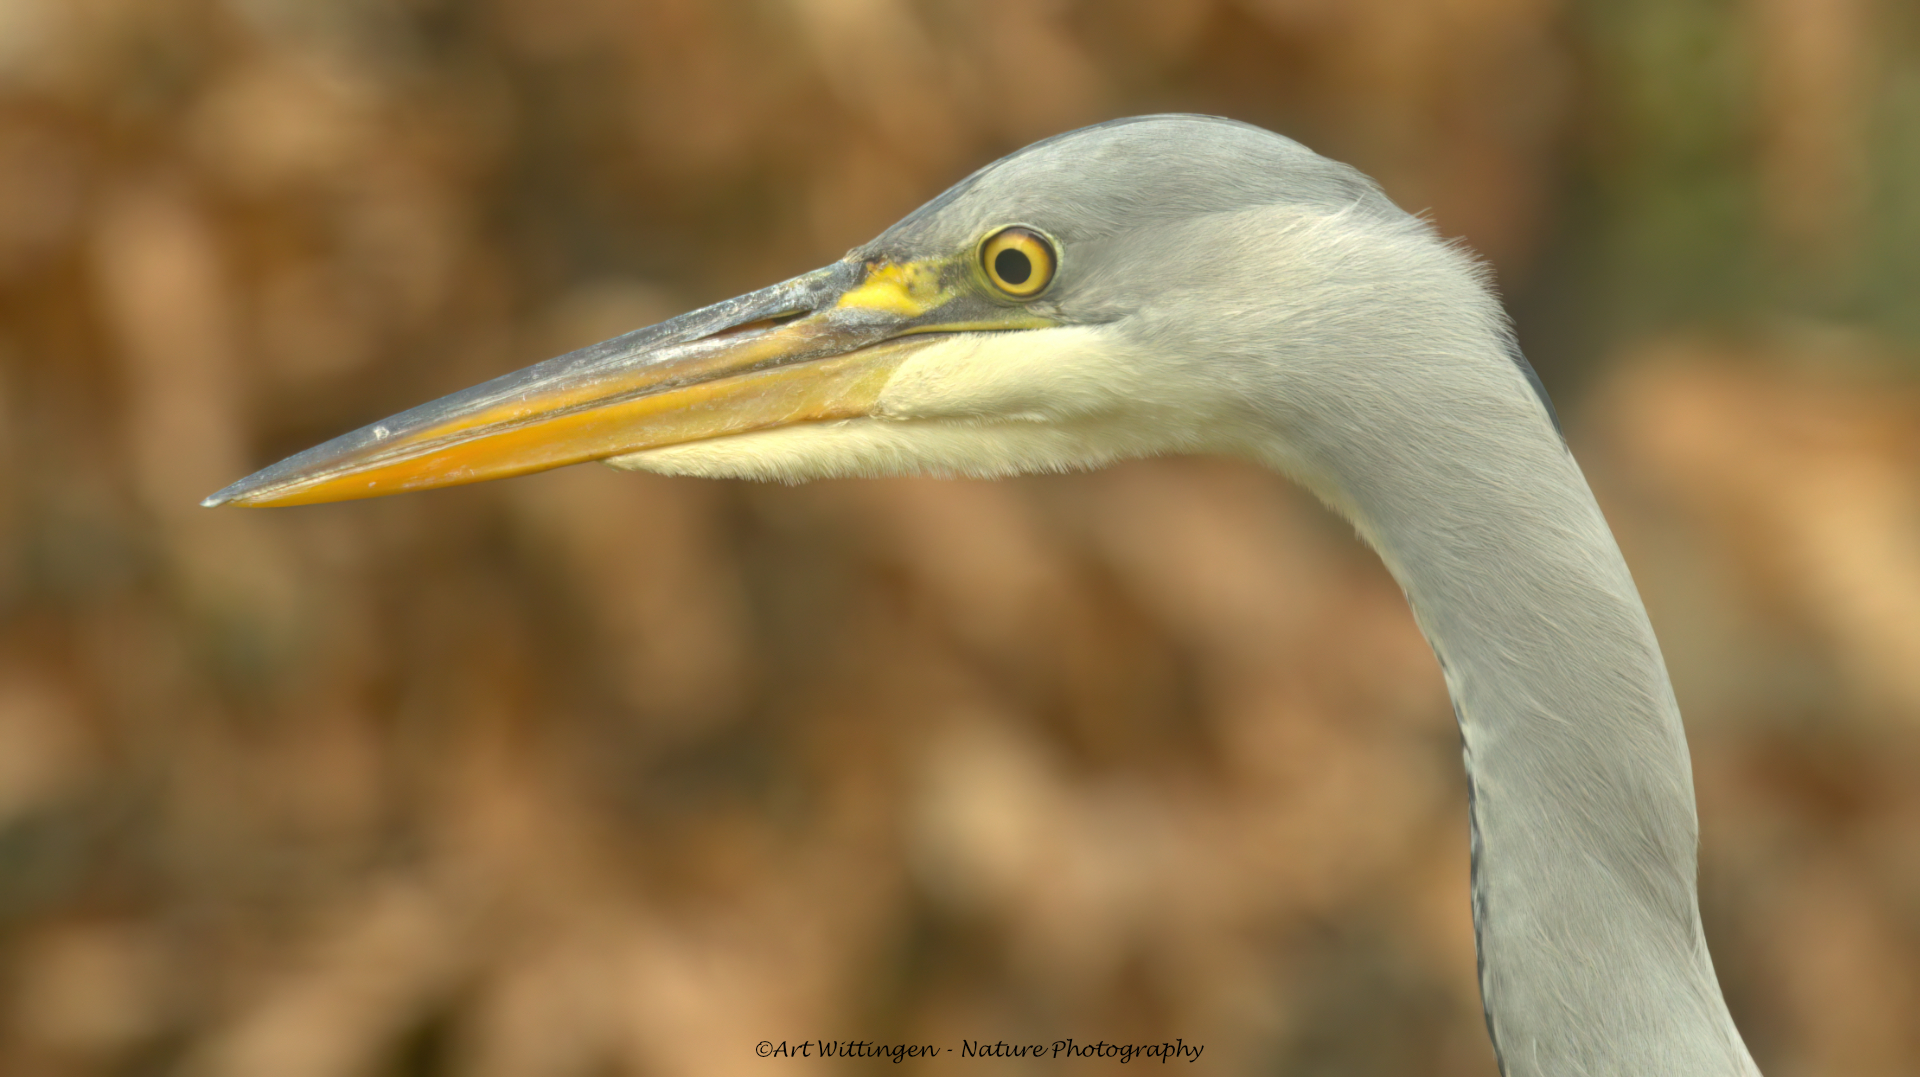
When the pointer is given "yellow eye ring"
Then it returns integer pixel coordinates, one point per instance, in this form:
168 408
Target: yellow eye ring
1018 261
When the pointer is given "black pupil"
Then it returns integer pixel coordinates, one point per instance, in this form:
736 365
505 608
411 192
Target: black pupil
1013 266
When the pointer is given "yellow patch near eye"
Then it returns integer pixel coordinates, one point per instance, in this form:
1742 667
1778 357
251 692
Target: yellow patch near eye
907 290
1019 261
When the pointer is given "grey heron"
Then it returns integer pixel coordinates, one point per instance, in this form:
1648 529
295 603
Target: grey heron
1187 284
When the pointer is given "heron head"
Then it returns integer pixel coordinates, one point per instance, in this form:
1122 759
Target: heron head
1089 298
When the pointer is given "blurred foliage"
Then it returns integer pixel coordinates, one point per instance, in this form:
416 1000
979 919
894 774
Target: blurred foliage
590 773
1740 163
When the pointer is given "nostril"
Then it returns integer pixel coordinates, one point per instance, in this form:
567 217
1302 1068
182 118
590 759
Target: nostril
769 322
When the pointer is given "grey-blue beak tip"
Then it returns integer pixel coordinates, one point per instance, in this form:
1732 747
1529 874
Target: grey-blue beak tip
222 496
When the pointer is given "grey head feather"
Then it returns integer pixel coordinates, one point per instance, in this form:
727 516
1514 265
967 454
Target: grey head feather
1122 175
1110 185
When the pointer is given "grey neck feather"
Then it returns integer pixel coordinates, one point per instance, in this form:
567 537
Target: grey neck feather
1584 833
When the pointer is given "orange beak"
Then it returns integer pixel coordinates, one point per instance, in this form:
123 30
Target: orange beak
817 348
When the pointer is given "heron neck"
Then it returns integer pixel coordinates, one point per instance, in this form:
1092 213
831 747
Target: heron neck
1584 835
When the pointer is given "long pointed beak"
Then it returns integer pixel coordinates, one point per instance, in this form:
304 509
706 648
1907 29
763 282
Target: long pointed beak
817 348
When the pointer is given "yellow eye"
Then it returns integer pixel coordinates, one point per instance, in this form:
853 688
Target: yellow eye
1019 261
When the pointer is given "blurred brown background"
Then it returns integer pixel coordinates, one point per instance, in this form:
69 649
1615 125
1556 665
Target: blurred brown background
593 774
